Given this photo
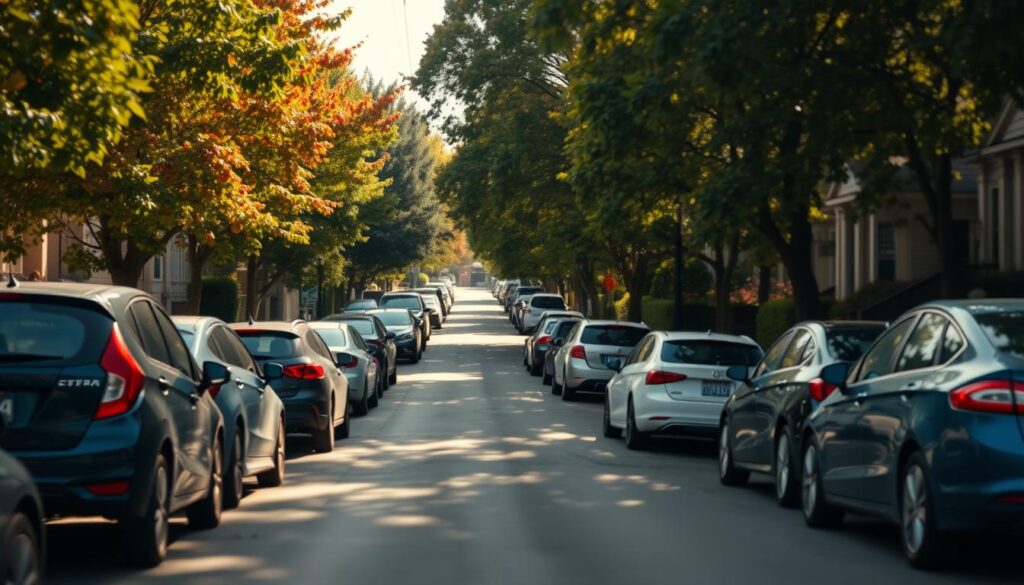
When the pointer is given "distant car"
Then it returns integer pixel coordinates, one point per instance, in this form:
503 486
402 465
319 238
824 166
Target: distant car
538 344
435 312
253 414
440 304
539 304
108 410
563 327
762 422
447 292
414 303
360 305
674 383
925 430
380 341
505 297
22 534
582 365
312 387
364 372
402 323
519 292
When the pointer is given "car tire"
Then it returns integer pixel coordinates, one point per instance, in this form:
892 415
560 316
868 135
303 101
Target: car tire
556 388
568 394
728 473
275 477
378 392
21 553
323 440
925 546
362 406
635 440
145 538
205 514
535 368
609 431
787 471
546 379
817 512
393 379
345 429
233 489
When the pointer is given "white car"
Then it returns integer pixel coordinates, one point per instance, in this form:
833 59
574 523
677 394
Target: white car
674 383
537 305
581 364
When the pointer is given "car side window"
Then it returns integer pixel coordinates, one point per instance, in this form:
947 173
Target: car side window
218 347
879 359
634 356
774 354
646 349
317 344
357 339
794 355
181 359
952 342
922 346
148 332
234 350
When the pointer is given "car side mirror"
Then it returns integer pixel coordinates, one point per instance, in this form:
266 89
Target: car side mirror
273 371
343 359
389 335
615 365
738 373
214 374
558 342
835 374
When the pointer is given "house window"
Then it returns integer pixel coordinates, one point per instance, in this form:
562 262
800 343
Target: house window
886 246
158 268
994 223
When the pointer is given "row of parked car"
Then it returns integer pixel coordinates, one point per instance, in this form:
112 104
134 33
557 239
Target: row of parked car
110 407
919 421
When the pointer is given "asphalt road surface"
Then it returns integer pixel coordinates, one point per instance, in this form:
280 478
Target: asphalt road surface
471 472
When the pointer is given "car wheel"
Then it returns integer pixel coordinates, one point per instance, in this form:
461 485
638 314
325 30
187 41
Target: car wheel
275 477
346 427
568 394
145 538
362 406
817 512
546 379
787 472
635 439
728 473
22 553
925 546
205 513
233 480
323 440
606 425
393 379
378 392
535 368
556 388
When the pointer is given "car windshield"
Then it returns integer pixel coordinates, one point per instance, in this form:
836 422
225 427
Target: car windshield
361 304
847 344
564 327
363 326
190 339
265 345
395 319
402 302
51 333
617 335
547 302
710 352
430 302
333 336
549 325
1005 330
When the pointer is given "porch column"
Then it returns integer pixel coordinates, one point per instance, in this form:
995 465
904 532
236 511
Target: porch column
872 245
1017 221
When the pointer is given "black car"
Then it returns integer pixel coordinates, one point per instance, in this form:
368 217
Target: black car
763 421
436 293
380 340
414 302
434 310
314 391
404 326
540 342
109 411
22 535
558 335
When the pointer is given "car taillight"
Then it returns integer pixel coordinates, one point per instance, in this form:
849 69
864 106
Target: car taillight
114 488
214 390
995 396
820 389
124 378
304 371
544 340
662 377
350 360
578 352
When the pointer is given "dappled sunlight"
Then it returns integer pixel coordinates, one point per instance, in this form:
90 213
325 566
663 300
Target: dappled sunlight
440 377
407 521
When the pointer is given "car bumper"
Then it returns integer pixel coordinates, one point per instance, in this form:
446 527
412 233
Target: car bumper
408 348
587 379
656 412
305 413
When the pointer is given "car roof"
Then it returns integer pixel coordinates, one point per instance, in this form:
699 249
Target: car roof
401 293
977 306
835 324
194 322
698 335
104 295
328 324
268 325
547 294
385 310
590 322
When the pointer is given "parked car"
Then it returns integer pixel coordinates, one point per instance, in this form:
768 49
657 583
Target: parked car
363 371
674 383
559 333
108 410
583 365
440 304
22 534
360 305
312 387
505 299
253 414
414 303
762 422
435 312
538 344
538 305
925 429
380 341
403 324
446 291
520 291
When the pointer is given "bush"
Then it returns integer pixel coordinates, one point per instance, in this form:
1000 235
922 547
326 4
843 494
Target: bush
773 319
865 297
697 279
622 307
220 299
423 279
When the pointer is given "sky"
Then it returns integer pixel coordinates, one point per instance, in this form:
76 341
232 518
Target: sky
380 26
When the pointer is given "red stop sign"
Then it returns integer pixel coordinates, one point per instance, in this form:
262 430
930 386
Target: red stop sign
609 283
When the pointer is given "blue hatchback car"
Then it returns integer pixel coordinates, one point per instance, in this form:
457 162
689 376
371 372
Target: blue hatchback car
926 429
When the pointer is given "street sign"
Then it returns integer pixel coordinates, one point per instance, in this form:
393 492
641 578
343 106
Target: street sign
308 296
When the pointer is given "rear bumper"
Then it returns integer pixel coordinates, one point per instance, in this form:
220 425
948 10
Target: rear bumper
586 379
657 412
407 349
306 412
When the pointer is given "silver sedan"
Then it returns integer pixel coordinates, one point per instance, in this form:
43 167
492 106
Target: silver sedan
354 357
581 365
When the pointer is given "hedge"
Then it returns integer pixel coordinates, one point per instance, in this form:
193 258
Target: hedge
423 279
775 317
657 314
220 299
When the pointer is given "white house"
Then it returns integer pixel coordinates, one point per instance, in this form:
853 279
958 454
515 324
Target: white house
1000 195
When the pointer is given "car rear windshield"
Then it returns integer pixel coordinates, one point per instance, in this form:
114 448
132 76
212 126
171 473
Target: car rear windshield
190 339
528 290
51 333
849 343
361 304
564 327
394 319
363 326
430 301
265 345
400 303
1005 330
547 302
334 337
710 353
617 335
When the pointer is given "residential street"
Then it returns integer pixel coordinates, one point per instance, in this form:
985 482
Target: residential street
471 472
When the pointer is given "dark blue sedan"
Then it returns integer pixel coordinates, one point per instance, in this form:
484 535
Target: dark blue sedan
926 429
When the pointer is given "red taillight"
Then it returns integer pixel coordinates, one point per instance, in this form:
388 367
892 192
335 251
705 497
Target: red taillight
124 378
820 389
352 361
214 390
578 352
114 488
544 340
304 371
662 377
995 396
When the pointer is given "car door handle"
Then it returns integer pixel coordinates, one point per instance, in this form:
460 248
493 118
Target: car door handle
859 398
165 386
194 398
910 386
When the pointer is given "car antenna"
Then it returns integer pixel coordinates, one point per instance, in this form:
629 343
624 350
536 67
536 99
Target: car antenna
251 321
11 281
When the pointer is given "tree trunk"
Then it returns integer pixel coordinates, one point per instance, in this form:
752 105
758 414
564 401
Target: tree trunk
123 259
795 252
723 284
764 284
252 299
953 259
677 280
635 273
197 258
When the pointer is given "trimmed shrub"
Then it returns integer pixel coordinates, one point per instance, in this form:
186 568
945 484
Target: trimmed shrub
773 319
220 299
622 307
423 279
865 297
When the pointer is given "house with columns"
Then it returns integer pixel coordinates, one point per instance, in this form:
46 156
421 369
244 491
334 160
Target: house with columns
999 164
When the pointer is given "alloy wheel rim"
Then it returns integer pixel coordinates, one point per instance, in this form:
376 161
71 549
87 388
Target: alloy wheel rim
723 451
810 481
915 510
782 466
160 516
23 568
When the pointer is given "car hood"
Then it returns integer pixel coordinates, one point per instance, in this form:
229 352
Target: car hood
398 331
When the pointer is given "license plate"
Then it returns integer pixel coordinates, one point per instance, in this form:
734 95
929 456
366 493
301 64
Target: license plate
720 389
6 408
607 358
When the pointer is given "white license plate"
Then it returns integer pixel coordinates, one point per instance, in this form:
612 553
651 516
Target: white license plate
6 409
720 389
